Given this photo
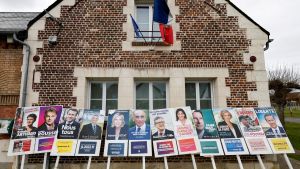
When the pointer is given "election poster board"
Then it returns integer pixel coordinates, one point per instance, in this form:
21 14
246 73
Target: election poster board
139 133
67 132
185 133
162 130
91 129
24 131
207 133
116 144
229 132
47 127
274 130
253 133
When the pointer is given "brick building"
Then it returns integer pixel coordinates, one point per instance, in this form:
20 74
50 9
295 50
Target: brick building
11 57
97 62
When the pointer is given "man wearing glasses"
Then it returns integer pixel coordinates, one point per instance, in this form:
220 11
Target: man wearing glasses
140 130
162 133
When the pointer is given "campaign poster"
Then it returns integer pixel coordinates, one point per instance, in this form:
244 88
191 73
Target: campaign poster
24 131
270 122
139 132
227 123
185 132
140 148
48 121
21 146
249 122
274 130
87 148
210 147
161 125
281 145
258 145
234 146
163 136
205 125
26 123
44 144
69 123
253 133
64 147
90 134
163 148
67 132
117 125
116 148
116 143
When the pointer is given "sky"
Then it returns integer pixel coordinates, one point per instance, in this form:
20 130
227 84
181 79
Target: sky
279 17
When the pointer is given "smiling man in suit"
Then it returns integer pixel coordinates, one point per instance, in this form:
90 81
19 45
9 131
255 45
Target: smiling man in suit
274 130
92 130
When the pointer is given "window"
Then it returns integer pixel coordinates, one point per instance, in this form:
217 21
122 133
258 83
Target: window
151 95
144 18
198 95
103 95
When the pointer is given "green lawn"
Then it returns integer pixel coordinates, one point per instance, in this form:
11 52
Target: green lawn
295 113
292 130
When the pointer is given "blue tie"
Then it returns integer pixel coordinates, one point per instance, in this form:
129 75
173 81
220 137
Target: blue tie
139 129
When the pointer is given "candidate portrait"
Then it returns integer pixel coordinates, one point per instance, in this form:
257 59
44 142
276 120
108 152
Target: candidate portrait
49 124
69 128
117 128
274 130
92 130
161 131
140 130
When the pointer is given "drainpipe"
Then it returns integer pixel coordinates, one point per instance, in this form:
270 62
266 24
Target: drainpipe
24 72
268 44
23 83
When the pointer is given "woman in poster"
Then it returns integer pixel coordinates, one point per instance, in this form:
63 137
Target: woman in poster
183 125
228 129
118 129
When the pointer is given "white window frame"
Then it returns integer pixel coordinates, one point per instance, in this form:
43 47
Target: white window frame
196 83
103 92
151 92
151 8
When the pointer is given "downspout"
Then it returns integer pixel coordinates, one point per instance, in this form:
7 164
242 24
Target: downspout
24 84
268 44
25 71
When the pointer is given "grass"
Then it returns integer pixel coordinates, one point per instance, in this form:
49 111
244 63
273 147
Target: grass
295 113
292 130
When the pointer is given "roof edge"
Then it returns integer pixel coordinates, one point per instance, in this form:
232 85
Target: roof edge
248 17
43 13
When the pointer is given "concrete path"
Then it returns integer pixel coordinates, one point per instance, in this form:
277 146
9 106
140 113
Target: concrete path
292 119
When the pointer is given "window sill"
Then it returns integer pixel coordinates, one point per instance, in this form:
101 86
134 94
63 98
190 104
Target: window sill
149 44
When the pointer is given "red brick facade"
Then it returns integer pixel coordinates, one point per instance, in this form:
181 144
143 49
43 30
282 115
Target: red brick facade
92 36
10 76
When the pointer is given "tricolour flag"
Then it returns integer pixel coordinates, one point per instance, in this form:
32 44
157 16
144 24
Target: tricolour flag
161 11
166 32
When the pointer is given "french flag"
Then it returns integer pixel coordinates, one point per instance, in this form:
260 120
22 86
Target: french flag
161 15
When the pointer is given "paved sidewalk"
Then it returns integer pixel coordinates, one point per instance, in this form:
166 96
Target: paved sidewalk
292 119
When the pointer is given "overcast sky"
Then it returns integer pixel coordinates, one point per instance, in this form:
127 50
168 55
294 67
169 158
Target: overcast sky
279 17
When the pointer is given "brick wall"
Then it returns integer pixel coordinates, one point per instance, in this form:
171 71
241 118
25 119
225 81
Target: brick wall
10 76
92 37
